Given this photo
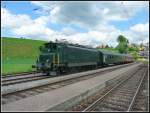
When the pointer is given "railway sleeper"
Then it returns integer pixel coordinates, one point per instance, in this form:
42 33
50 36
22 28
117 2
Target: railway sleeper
122 91
114 103
103 109
139 109
124 94
113 106
129 88
120 99
119 103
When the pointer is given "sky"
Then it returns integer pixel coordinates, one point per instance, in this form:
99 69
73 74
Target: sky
84 22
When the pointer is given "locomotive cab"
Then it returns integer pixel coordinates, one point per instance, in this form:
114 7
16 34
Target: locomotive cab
47 58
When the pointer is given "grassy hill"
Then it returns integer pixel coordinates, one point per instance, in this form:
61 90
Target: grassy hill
18 55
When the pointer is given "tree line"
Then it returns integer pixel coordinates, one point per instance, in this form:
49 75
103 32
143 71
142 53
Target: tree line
124 47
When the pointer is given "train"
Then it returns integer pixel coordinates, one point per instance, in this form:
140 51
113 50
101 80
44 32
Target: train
56 58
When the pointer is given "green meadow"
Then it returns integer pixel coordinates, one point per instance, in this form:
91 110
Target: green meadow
18 55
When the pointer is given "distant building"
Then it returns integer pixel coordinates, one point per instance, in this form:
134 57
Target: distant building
102 46
145 52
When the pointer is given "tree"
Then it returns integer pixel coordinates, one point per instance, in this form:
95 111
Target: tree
133 47
142 47
135 55
123 44
121 48
106 46
121 38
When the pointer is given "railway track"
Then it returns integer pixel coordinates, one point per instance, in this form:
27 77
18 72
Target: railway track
17 74
22 78
119 97
10 97
141 101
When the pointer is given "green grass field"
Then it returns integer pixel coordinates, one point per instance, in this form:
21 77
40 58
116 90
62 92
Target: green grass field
18 55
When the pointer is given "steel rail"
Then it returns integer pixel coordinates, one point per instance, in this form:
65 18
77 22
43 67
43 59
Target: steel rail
21 78
18 74
91 105
132 102
24 79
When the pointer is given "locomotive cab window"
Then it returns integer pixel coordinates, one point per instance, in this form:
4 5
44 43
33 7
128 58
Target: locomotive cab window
51 47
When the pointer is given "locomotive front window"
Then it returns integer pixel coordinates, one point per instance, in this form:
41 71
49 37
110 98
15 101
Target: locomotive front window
50 46
44 58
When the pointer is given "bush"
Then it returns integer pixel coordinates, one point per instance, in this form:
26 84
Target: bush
135 55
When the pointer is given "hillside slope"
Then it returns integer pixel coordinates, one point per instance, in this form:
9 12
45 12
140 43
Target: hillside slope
18 55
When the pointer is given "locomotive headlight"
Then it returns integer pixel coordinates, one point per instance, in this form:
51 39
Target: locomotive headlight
47 64
47 60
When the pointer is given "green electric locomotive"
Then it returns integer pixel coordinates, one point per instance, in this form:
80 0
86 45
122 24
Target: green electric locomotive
56 58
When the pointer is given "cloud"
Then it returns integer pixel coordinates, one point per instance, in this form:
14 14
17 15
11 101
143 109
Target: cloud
91 14
23 25
123 10
140 28
139 33
9 20
103 35
68 31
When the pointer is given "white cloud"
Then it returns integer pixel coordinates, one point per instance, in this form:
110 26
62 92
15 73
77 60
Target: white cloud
140 28
91 14
139 33
68 31
9 20
105 34
23 25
